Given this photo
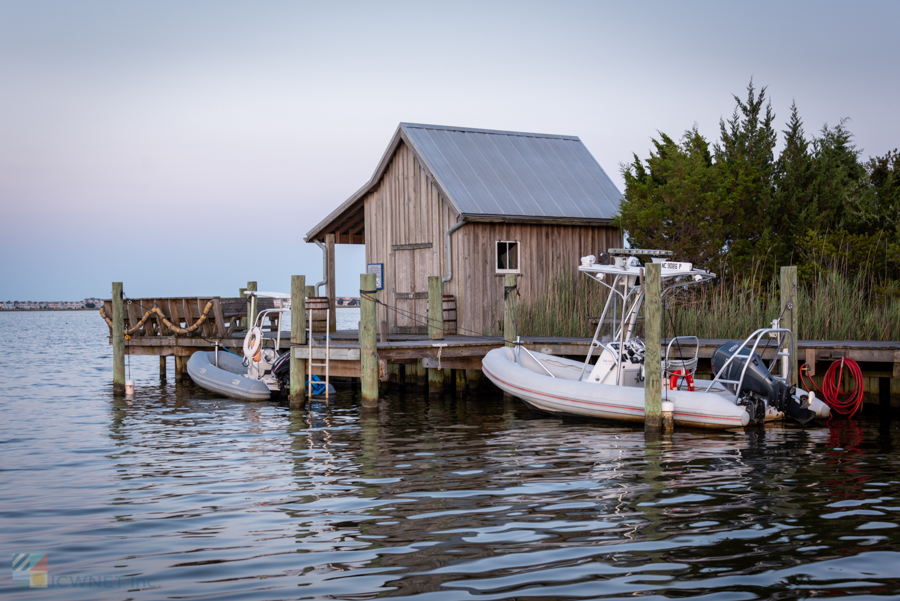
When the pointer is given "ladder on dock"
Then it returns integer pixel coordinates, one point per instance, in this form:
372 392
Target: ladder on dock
309 362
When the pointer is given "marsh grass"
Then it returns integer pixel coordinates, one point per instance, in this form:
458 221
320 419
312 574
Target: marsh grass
833 305
564 310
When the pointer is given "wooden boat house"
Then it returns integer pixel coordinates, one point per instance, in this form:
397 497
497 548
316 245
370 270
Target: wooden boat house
472 205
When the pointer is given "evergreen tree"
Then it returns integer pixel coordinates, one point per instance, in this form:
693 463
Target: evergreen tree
728 209
837 181
877 207
671 202
746 177
792 195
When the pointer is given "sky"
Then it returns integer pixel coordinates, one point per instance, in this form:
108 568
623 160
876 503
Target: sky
185 148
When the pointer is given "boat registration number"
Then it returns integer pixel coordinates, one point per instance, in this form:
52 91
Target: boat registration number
675 266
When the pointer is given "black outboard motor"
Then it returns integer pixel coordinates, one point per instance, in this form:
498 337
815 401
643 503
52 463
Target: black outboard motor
281 369
759 385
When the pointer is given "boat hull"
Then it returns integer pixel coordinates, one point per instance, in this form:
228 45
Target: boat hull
565 394
227 378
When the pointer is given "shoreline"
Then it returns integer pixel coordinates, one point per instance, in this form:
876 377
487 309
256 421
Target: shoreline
35 310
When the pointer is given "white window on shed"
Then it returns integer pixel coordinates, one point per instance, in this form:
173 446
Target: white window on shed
507 256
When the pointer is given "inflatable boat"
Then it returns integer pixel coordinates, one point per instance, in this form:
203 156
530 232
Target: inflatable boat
744 390
255 376
228 378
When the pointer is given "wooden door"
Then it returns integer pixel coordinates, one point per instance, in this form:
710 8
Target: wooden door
410 291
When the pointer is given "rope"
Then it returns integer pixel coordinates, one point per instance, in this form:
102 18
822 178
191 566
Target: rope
155 309
369 294
831 386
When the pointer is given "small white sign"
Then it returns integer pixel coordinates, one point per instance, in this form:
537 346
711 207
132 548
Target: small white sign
676 266
378 270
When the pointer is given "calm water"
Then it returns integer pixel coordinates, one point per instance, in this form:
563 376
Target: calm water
183 495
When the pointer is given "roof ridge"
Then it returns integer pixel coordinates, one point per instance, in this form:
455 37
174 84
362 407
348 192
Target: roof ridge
497 132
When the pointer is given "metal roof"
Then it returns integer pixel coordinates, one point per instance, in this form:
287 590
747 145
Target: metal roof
487 174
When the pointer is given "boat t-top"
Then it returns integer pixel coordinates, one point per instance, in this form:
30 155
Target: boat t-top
743 391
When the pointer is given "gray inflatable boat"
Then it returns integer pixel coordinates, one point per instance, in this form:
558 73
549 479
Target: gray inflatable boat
228 378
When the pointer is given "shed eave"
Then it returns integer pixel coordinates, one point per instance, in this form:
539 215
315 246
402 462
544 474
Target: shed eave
535 219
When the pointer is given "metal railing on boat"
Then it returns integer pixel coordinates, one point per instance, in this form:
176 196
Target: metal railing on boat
756 337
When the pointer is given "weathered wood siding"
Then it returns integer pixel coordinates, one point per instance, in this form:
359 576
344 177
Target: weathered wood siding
406 209
544 252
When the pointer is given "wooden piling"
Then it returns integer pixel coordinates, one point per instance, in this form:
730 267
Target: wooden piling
162 367
435 308
252 306
242 322
460 381
180 367
118 337
330 284
791 319
653 341
435 326
368 349
421 374
509 308
435 380
473 376
298 336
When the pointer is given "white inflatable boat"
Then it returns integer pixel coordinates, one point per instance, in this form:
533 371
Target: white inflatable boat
743 392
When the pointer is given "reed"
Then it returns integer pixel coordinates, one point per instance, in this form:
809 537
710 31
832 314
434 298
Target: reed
564 309
834 304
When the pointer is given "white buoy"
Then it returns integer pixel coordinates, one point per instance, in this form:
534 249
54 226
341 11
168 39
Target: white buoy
129 387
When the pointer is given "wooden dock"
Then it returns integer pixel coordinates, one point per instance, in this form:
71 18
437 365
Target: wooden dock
182 326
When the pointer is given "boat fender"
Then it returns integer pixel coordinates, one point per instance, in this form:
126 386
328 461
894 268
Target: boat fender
252 343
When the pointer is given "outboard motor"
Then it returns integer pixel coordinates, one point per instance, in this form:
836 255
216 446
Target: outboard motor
282 370
759 387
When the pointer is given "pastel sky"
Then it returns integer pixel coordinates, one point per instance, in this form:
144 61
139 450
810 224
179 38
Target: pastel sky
185 148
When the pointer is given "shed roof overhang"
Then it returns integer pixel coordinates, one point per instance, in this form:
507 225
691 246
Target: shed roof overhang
348 221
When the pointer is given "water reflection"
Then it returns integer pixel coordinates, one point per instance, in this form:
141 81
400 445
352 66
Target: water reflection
433 497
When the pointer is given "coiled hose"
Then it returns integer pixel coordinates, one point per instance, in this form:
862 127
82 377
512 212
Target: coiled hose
845 403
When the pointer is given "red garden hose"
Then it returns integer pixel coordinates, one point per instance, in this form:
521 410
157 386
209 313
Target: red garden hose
845 403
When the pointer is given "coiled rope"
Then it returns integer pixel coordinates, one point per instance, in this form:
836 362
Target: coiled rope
155 309
852 401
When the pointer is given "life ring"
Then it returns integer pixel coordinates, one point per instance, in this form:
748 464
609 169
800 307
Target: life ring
677 375
252 343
